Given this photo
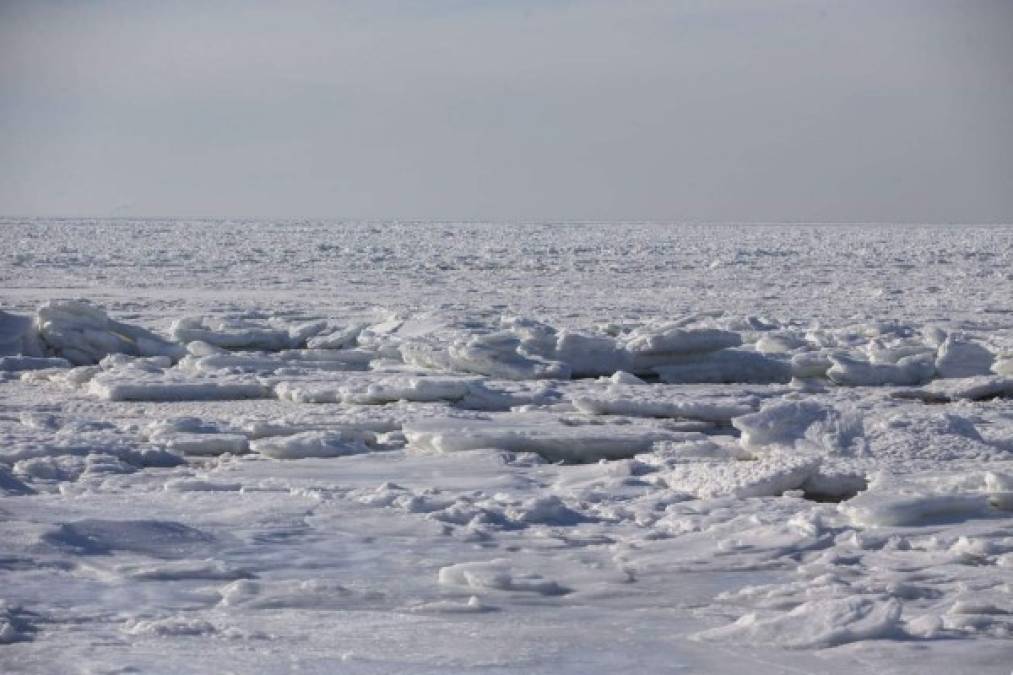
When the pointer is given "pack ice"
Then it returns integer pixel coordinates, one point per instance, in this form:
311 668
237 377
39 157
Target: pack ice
693 475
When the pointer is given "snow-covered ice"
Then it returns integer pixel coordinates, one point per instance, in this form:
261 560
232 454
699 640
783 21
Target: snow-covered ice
234 446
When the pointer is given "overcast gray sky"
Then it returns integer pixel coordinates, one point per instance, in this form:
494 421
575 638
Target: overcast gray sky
752 110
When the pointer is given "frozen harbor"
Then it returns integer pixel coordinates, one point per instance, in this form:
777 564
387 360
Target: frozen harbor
229 446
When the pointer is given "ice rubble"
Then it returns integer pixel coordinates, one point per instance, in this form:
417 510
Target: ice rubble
243 333
47 448
83 334
686 351
484 389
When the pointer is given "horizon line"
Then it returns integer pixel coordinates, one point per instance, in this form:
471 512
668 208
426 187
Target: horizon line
502 221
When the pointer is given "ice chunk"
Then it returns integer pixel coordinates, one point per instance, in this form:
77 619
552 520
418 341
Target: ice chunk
656 402
423 354
890 502
545 510
808 424
497 575
18 336
808 365
875 509
201 348
779 343
672 339
544 434
507 395
173 626
892 351
536 337
1000 490
817 623
344 337
623 377
727 366
83 334
377 390
234 333
590 355
205 444
173 386
908 371
19 363
410 388
286 594
285 361
767 477
959 358
497 356
970 389
309 444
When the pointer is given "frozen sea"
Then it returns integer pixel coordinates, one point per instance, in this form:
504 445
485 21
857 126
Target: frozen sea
409 447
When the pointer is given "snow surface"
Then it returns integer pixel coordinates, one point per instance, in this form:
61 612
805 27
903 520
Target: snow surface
238 446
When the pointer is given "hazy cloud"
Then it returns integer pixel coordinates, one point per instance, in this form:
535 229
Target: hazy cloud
752 110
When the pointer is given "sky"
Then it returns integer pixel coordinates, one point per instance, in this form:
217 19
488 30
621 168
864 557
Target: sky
678 110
